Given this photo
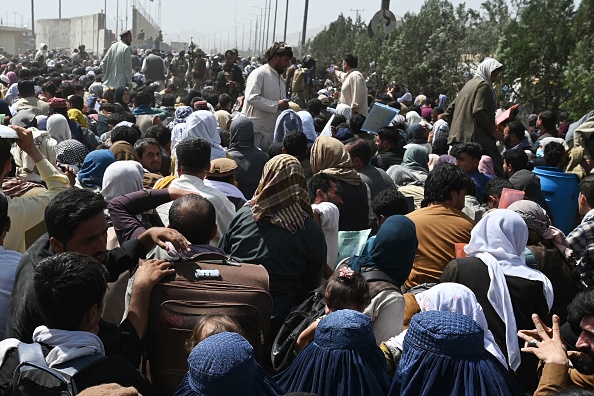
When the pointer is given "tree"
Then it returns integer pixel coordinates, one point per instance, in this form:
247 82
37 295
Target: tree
579 76
534 51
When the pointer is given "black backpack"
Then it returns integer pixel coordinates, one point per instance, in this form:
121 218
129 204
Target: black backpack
312 308
34 377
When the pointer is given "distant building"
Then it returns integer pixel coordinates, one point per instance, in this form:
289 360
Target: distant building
14 40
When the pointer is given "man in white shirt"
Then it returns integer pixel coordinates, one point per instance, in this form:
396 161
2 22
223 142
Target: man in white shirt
354 89
193 161
266 94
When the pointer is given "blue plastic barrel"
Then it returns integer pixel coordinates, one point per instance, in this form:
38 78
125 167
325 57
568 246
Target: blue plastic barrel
561 192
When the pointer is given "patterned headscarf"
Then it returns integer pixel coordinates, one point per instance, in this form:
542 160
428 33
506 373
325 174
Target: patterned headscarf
71 152
329 155
282 198
181 115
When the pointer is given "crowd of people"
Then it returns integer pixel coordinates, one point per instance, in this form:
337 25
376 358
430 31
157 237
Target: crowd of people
121 165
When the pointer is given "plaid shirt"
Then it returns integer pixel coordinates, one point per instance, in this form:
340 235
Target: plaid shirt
581 242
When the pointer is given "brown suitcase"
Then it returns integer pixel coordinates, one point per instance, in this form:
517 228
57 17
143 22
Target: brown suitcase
241 292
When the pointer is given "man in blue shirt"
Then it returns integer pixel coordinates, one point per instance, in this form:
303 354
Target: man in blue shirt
468 156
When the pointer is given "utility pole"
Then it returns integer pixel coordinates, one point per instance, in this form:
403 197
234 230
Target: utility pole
274 26
60 9
357 16
269 8
286 20
32 18
304 33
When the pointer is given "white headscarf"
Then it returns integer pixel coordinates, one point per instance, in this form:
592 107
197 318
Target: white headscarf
120 178
308 125
499 240
412 117
58 128
486 68
203 124
454 297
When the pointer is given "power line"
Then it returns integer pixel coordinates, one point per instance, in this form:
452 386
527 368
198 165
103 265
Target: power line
357 11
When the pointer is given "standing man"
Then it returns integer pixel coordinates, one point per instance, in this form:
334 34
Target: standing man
229 78
158 41
471 115
354 89
178 69
154 69
117 63
266 93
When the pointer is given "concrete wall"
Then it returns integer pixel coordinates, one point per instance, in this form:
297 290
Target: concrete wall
88 30
139 21
15 40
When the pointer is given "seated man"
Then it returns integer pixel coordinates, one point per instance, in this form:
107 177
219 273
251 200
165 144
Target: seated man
377 179
493 190
547 344
149 153
221 176
390 145
69 290
76 222
468 156
28 212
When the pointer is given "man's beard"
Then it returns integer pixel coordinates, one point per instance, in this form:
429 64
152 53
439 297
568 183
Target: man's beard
584 363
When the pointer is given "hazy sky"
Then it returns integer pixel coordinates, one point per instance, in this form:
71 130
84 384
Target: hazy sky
185 18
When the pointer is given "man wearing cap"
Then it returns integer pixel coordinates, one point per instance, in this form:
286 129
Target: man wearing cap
28 99
266 94
117 62
221 176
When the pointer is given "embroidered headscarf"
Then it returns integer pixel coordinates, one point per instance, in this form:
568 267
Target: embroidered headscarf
498 240
329 155
282 198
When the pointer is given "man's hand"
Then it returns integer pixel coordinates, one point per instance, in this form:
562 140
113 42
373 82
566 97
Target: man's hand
545 343
283 104
159 235
150 272
27 143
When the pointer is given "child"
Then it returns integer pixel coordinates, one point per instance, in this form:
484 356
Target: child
346 289
208 325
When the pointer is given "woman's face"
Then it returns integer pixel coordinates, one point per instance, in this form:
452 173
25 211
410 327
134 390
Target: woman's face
126 97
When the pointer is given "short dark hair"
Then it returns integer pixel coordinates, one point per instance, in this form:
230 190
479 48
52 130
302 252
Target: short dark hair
357 122
67 210
581 306
320 181
495 187
517 158
347 292
437 111
128 134
66 286
314 106
224 100
351 60
587 189
3 211
391 135
144 97
359 148
443 180
193 155
160 133
295 143
77 102
553 152
168 100
516 128
142 144
474 150
115 118
26 87
194 217
389 202
547 119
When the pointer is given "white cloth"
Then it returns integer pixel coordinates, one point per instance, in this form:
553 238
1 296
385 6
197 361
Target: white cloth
58 128
440 129
67 345
120 178
499 240
26 167
486 68
353 92
453 297
264 88
386 311
178 133
225 210
329 216
226 188
117 65
203 124
308 125
412 117
10 260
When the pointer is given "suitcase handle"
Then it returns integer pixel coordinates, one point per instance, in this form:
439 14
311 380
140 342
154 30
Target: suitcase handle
212 258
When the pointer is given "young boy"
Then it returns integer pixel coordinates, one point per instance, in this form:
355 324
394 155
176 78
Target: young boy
581 239
468 156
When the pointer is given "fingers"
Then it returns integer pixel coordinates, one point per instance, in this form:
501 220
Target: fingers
556 327
539 328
